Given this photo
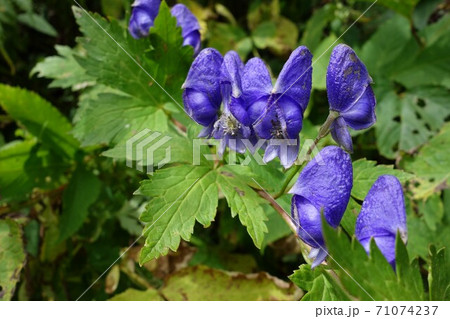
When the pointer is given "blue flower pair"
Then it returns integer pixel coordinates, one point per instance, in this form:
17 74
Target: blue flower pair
144 14
324 186
252 107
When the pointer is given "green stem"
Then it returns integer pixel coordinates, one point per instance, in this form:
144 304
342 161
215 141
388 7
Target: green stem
288 180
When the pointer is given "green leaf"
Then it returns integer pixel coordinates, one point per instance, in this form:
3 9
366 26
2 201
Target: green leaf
318 287
80 194
64 69
431 164
180 195
365 173
131 294
315 26
280 36
439 275
245 203
38 23
404 7
111 118
367 277
12 257
202 283
144 76
40 118
409 120
420 235
348 221
25 166
408 272
322 57
225 37
430 65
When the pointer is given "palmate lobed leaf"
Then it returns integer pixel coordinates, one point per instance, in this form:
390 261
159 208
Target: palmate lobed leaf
182 195
140 77
371 277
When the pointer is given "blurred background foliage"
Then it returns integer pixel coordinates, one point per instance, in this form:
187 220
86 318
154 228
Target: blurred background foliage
67 213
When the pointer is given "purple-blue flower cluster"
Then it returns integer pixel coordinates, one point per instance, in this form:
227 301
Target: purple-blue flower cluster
252 107
237 103
144 14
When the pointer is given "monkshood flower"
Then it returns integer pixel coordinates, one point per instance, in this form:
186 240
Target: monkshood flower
349 94
276 112
145 11
324 185
190 28
211 80
228 129
382 215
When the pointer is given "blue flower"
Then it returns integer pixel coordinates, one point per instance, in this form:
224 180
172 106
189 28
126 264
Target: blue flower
211 81
202 94
276 112
190 28
145 11
142 17
349 94
324 185
382 215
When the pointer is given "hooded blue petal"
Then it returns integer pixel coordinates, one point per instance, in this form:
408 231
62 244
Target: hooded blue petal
295 78
361 115
189 26
347 78
143 16
382 214
202 96
326 182
256 87
341 135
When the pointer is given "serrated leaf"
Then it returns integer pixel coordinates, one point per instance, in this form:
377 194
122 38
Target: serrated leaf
203 283
365 277
365 173
12 257
144 75
245 203
111 118
181 195
40 118
81 192
64 70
